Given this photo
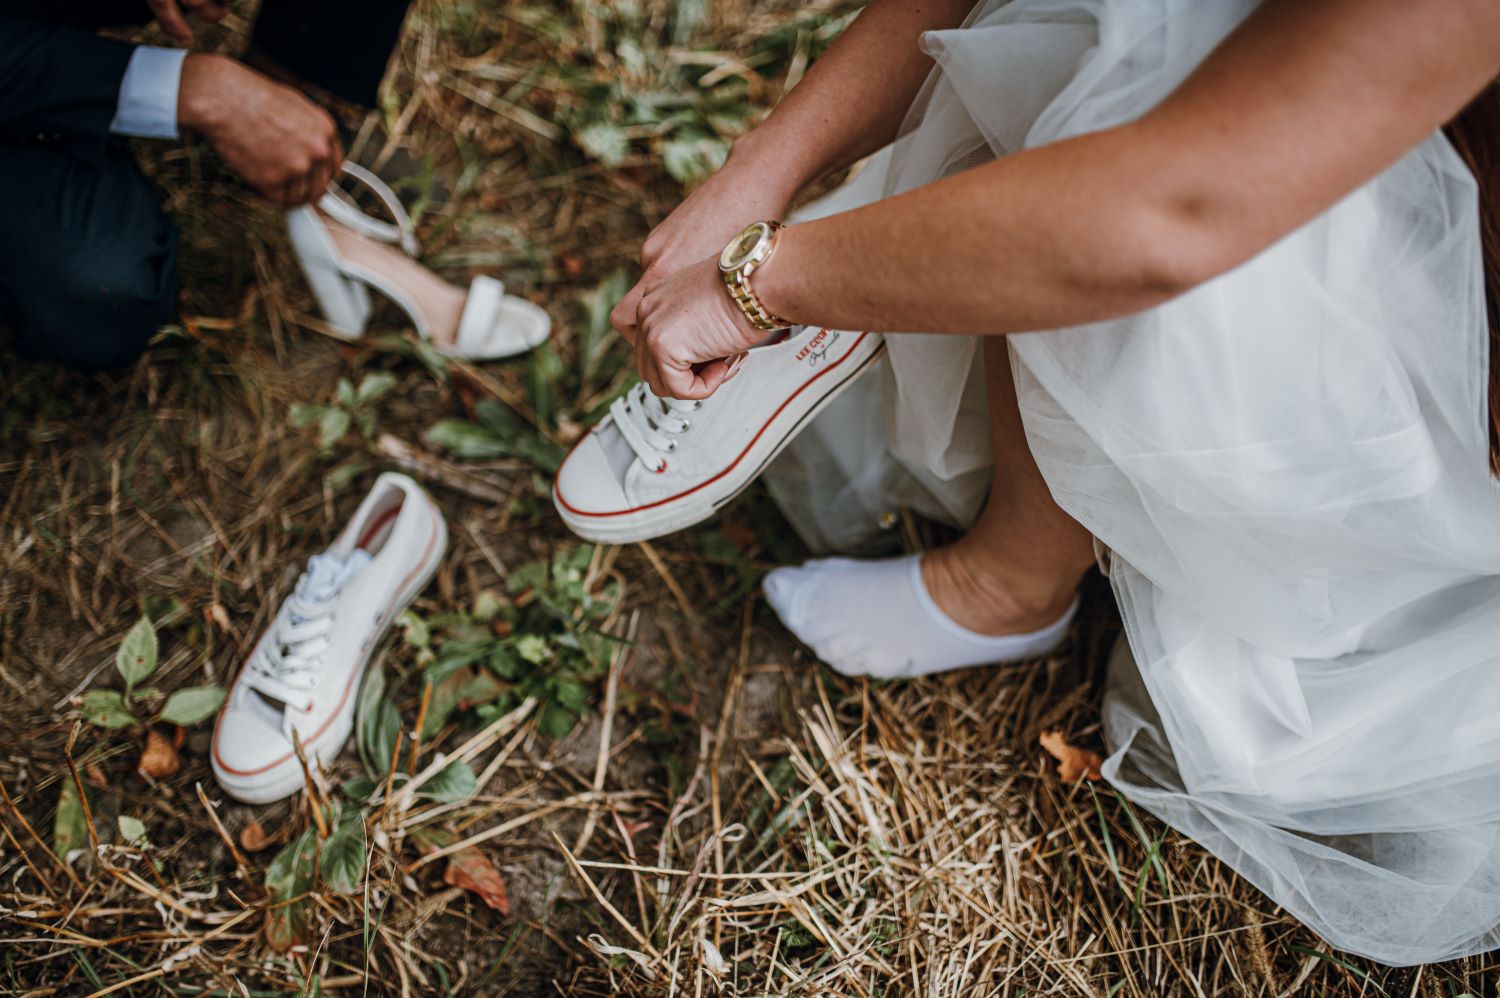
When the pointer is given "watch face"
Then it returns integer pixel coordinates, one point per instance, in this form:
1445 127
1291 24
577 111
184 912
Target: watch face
743 245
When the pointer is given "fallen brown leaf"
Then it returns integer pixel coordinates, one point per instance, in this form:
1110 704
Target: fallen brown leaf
159 760
253 837
1073 762
215 614
472 870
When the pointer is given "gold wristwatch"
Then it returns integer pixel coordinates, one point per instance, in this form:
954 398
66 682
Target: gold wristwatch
745 254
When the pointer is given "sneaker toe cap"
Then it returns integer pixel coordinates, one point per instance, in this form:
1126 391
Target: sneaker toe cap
246 744
587 483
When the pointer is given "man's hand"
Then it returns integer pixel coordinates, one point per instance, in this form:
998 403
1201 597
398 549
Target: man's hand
691 336
700 227
173 15
281 144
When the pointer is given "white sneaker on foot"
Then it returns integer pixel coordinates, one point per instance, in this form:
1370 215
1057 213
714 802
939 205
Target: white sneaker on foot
654 466
304 674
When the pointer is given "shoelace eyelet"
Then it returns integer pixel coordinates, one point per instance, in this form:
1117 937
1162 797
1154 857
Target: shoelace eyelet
671 446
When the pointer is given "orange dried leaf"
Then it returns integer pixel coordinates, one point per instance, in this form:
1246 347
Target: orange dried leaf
159 760
472 870
215 614
1073 763
253 837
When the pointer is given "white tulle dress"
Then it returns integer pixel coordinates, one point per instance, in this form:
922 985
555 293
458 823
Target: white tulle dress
1290 466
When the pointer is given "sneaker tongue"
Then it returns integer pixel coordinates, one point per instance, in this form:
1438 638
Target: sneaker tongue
326 575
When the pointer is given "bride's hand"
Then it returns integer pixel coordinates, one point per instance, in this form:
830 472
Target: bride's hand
691 336
740 193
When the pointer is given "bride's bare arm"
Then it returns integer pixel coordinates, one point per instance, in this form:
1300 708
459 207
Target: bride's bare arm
849 104
1304 102
852 100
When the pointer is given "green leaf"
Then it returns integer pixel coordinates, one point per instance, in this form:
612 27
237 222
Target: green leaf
360 789
454 782
499 419
132 830
372 386
688 161
332 425
69 829
289 875
136 658
377 723
415 630
106 709
597 304
465 440
189 706
570 694
466 687
544 368
533 649
345 392
488 604
306 414
604 141
555 721
161 609
342 859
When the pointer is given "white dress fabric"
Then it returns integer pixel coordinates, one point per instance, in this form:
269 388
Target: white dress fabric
1290 466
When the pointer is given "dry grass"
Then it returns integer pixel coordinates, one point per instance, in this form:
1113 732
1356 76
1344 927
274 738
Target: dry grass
727 818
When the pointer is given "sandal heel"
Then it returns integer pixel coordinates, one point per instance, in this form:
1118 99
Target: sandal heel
344 302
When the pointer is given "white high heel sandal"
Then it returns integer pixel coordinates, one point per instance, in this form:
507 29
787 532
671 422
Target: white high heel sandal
493 325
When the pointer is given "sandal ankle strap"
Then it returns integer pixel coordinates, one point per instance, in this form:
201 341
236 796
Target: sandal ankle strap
336 205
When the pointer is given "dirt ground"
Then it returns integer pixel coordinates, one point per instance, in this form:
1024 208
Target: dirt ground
753 824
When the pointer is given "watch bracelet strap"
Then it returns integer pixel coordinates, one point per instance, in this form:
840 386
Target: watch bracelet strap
760 317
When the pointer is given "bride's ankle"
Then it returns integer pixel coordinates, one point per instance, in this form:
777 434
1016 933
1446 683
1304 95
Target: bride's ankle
980 592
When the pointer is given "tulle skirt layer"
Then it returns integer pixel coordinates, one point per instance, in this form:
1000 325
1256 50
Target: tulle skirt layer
1290 466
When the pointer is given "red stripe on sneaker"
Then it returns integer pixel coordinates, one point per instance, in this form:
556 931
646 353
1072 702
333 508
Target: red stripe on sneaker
731 466
343 698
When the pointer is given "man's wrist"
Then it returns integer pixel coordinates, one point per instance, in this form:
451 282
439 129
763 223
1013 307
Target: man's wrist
200 99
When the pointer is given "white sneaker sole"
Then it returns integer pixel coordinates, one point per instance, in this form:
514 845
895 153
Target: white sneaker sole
284 778
699 503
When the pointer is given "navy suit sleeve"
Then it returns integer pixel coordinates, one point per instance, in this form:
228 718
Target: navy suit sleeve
59 83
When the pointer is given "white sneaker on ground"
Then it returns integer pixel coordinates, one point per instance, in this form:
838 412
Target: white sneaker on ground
304 673
654 466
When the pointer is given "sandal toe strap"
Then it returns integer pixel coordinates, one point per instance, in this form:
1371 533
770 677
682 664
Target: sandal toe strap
480 311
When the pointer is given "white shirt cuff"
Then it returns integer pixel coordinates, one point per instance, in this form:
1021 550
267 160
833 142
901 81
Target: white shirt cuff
148 94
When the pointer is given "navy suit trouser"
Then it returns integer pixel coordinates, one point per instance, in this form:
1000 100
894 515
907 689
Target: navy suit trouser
88 258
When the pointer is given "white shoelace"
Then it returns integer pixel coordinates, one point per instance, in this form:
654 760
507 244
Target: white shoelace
291 659
651 425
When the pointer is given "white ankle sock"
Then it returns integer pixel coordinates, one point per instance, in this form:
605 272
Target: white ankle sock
876 618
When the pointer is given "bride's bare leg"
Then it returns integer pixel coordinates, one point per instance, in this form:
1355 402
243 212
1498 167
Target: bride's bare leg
1004 592
1018 567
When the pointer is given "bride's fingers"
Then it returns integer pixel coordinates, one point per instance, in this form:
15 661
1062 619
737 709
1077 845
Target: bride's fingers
624 317
696 382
